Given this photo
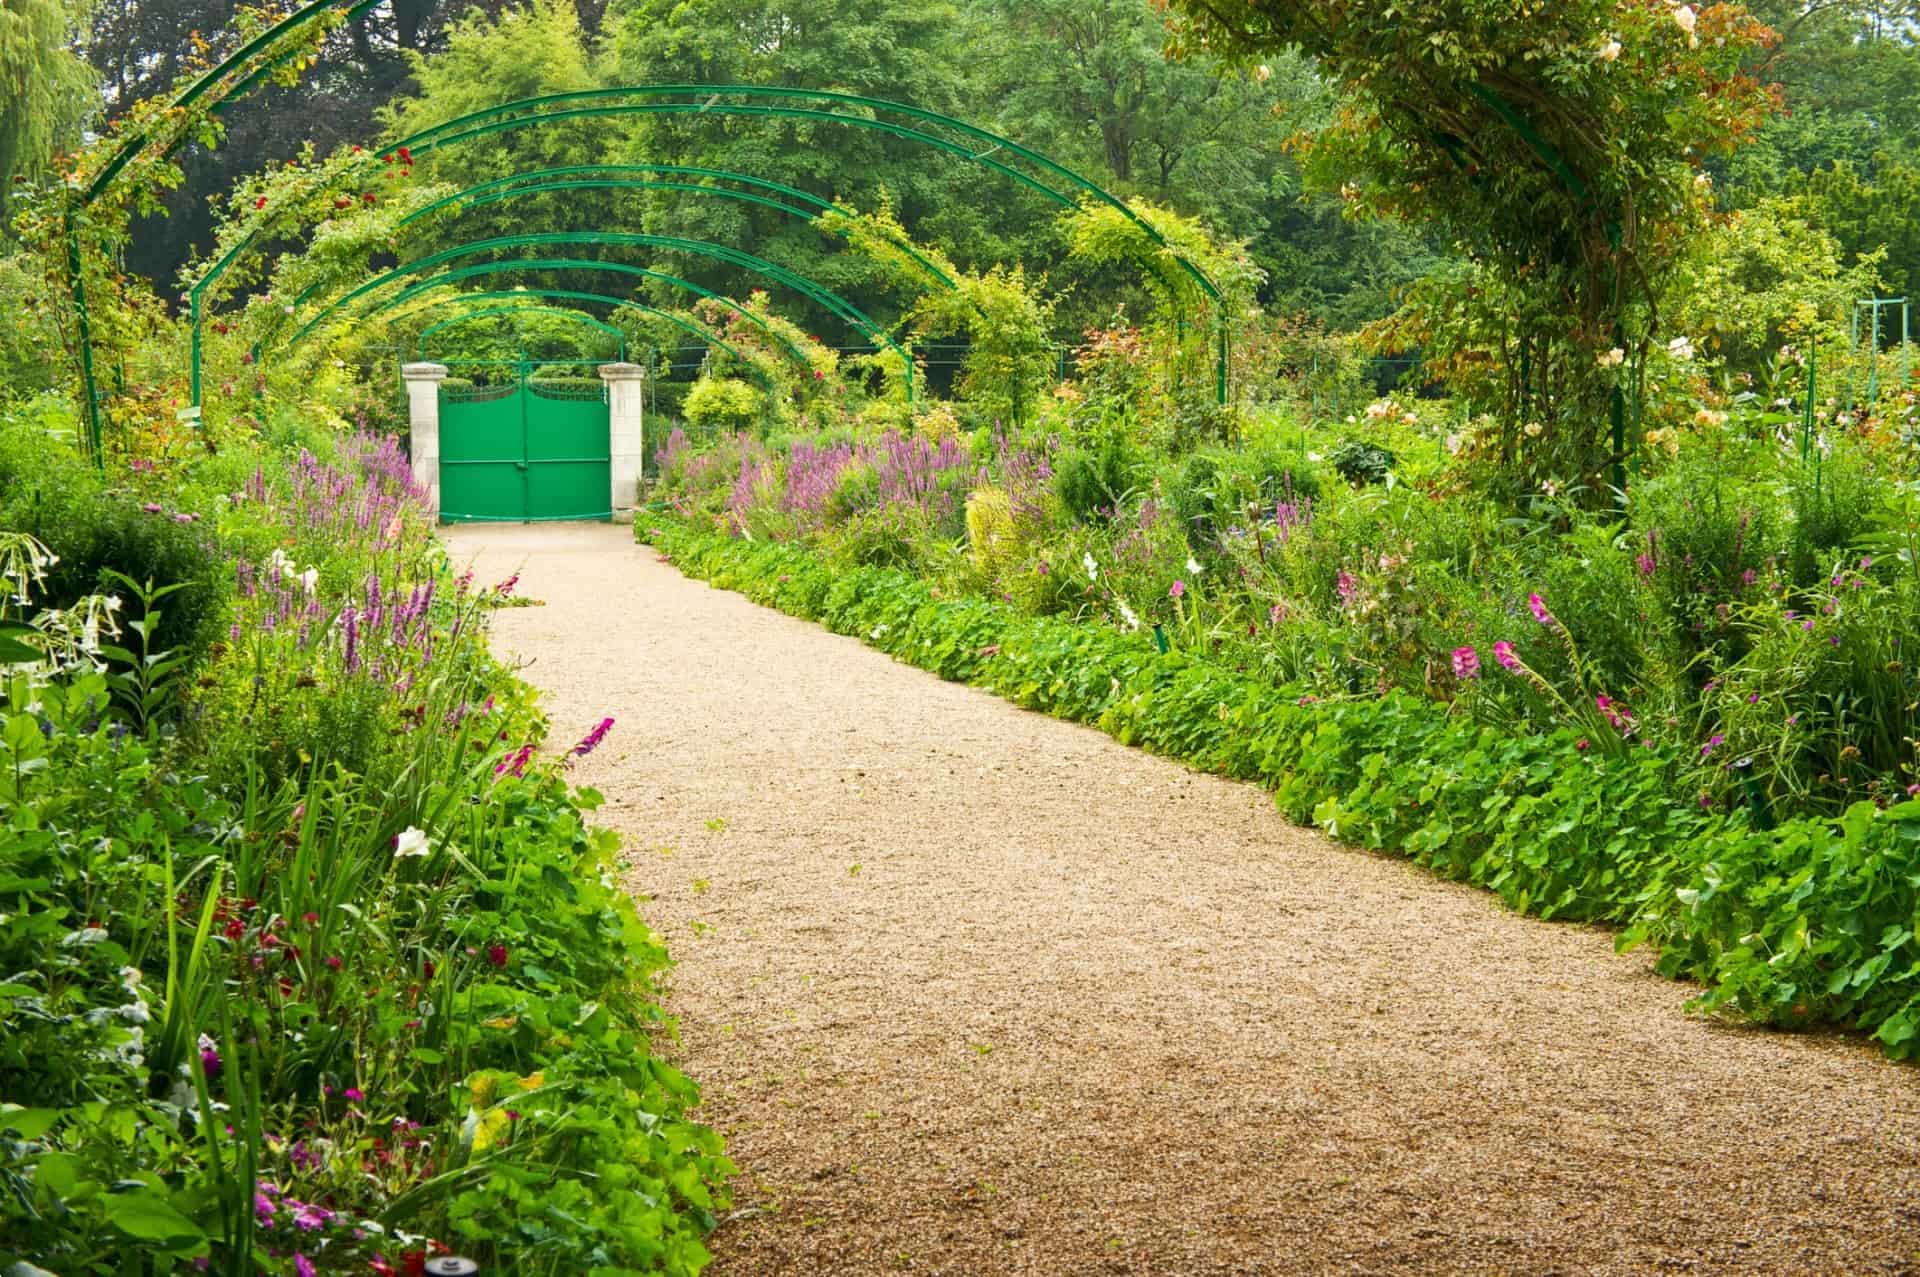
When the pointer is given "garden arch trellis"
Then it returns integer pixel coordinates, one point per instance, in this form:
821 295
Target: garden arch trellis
544 181
523 308
808 288
700 332
261 56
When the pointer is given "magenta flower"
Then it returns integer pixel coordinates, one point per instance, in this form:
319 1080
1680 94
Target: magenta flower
1646 564
309 1216
1712 740
1538 606
209 1057
302 1266
1178 589
497 954
1346 588
592 740
1466 663
262 1207
1618 715
1503 653
354 1094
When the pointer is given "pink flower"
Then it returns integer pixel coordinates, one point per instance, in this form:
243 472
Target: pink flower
1345 585
1538 606
302 1266
1503 653
1466 663
354 1094
497 954
593 738
1178 590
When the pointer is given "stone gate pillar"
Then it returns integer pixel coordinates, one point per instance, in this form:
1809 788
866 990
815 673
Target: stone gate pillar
423 417
624 435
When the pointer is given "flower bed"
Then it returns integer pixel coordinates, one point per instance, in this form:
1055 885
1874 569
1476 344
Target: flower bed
1808 923
308 961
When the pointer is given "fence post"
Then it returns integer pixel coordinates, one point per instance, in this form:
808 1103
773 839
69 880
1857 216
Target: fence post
625 383
423 421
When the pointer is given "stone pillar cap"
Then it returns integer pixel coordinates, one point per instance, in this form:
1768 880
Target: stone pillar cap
622 372
424 372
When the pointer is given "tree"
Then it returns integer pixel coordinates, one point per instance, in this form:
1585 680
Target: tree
1871 212
1555 144
46 90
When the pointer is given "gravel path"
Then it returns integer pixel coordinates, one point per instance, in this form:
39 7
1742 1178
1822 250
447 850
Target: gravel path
973 991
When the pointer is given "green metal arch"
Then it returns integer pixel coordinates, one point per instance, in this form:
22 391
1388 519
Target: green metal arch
706 335
509 187
498 119
489 312
488 119
759 266
484 269
578 177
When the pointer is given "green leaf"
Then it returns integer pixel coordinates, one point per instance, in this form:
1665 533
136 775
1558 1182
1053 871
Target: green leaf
151 1218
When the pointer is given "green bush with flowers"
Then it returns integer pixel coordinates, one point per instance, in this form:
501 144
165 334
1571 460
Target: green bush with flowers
314 963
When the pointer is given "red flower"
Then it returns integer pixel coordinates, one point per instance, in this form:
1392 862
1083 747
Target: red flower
333 964
261 202
343 202
406 156
497 954
427 968
413 1263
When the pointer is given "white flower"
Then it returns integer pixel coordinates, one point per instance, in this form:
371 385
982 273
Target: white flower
1687 18
1263 73
1610 51
1380 408
1680 348
1093 569
411 842
310 579
1126 615
1193 566
1613 358
279 566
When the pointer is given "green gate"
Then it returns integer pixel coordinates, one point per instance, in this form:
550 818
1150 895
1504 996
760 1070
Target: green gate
525 450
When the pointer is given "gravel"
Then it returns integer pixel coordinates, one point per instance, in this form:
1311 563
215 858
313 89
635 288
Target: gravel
974 991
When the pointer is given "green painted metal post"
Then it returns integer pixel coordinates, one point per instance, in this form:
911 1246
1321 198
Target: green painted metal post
83 331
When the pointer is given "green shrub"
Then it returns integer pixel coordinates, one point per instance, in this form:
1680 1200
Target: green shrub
1808 923
51 493
1093 482
1361 463
722 403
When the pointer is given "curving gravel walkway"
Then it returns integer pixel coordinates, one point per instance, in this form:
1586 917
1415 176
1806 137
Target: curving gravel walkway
972 991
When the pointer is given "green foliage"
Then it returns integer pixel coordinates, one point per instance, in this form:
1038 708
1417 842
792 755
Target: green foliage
721 403
1558 148
1766 278
98 531
190 1066
46 90
1094 482
1361 463
1804 924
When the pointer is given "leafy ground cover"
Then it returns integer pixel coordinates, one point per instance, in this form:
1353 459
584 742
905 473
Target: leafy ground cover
1809 921
310 960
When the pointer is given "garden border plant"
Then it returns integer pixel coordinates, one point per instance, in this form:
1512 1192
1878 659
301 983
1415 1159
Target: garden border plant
1812 922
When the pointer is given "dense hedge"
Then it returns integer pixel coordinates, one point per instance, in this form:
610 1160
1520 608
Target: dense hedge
1812 922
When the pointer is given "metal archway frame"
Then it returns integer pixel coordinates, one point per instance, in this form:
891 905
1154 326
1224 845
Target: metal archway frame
482 270
524 308
501 118
570 177
615 239
704 334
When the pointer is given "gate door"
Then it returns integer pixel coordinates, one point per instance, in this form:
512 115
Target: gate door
526 450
